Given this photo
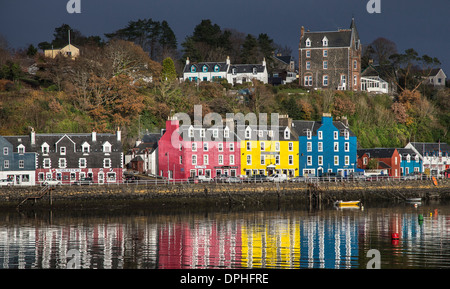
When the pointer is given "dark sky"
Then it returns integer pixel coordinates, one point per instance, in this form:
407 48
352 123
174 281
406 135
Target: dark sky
422 25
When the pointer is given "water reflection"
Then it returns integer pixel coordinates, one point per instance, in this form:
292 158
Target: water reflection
271 239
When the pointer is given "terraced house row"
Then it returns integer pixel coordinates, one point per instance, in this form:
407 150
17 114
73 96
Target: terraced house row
293 147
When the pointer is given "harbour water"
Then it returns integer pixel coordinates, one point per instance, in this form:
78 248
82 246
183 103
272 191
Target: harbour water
242 238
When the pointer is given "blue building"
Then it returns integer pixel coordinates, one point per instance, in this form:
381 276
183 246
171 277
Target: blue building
325 146
17 161
410 161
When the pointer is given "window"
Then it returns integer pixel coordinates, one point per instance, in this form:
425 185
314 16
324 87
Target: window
205 146
194 160
277 146
231 159
205 159
325 80
85 147
347 147
220 147
325 41
287 134
194 147
346 134
249 146
62 163
291 159
263 159
320 134
347 160
47 163
191 132
263 146
106 163
193 68
111 177
308 65
21 164
309 146
365 161
249 159
233 71
82 163
107 147
308 134
355 64
6 164
231 146
336 160
202 133
355 80
277 160
336 134
309 161
308 81
325 53
62 151
216 68
308 42
291 146
220 159
247 133
44 148
325 64
320 160
336 146
255 70
21 149
320 146
226 133
308 53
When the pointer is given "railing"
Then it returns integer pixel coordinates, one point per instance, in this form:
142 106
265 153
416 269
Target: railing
251 180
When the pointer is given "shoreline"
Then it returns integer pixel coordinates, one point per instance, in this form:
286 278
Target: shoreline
176 196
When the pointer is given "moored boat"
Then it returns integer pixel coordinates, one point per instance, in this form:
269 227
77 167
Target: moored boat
347 203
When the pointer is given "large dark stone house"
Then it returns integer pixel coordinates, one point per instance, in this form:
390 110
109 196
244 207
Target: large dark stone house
330 59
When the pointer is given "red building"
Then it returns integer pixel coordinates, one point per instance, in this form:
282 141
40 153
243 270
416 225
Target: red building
387 160
189 151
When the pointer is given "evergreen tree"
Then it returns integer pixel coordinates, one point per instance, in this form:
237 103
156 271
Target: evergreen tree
168 70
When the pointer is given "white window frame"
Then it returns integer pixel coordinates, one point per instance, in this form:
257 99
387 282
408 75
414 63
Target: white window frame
194 160
62 163
107 163
320 160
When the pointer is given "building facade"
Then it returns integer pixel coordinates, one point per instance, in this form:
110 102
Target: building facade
387 161
330 59
143 157
435 157
17 161
410 162
325 146
189 151
269 150
217 71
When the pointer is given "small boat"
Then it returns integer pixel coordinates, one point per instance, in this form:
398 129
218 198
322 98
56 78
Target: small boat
414 200
347 203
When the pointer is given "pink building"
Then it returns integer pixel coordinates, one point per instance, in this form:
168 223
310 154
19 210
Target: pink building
188 151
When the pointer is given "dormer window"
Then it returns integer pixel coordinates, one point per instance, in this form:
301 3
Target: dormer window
325 41
21 149
193 68
62 151
191 132
226 132
45 148
308 42
233 71
216 68
308 134
85 147
106 147
205 68
255 70
287 134
248 132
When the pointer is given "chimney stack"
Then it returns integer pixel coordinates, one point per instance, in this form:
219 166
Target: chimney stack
94 136
119 134
302 32
33 136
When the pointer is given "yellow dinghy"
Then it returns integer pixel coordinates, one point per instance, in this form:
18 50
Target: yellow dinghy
347 203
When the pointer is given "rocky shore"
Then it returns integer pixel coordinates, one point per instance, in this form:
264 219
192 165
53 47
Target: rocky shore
219 195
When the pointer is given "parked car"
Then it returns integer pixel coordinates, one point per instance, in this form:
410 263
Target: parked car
256 179
233 180
204 179
357 176
6 183
328 176
84 182
52 182
277 178
297 179
410 176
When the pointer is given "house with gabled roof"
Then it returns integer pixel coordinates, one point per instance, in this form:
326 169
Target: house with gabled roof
143 157
330 59
387 160
437 77
217 71
435 156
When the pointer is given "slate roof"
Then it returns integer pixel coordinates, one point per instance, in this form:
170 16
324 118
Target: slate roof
341 38
380 153
422 147
223 66
403 152
301 126
247 68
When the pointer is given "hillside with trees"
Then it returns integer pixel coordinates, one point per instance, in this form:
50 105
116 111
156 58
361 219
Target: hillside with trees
131 82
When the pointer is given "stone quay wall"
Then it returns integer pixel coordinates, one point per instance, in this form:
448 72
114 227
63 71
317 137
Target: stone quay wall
176 195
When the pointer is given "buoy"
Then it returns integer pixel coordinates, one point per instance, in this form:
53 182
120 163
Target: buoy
394 236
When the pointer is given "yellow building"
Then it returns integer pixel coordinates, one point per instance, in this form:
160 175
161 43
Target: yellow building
269 151
68 50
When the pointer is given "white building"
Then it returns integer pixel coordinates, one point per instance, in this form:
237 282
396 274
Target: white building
437 77
435 156
233 73
374 84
